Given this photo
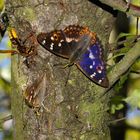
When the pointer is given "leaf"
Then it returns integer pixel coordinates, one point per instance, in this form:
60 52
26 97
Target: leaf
126 46
134 99
121 35
116 107
121 82
120 52
116 104
130 41
136 65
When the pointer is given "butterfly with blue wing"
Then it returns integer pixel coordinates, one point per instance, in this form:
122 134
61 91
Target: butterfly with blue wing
82 47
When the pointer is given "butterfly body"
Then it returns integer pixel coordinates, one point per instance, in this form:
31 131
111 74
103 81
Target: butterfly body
80 49
81 46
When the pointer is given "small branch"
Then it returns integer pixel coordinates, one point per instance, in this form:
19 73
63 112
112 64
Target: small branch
121 5
125 63
118 120
6 118
121 67
8 51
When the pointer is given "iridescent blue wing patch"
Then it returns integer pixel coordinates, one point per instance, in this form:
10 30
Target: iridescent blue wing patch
92 65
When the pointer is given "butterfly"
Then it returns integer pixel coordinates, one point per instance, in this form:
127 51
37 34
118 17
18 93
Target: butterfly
34 93
4 23
25 47
21 46
82 47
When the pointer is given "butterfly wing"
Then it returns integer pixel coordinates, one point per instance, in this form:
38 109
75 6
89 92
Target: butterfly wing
63 42
34 93
55 43
92 65
80 48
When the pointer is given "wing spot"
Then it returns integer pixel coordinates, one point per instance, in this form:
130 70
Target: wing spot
92 75
52 38
43 42
61 40
51 48
59 44
100 81
99 69
90 66
91 56
69 39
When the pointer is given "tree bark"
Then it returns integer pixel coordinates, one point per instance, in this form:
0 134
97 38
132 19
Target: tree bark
71 111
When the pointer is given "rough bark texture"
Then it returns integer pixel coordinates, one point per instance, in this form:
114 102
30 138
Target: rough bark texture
74 111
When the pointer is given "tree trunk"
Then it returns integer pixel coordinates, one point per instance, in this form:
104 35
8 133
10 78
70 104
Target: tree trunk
71 111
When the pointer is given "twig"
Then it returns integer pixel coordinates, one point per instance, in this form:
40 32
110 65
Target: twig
121 67
6 118
118 120
122 5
